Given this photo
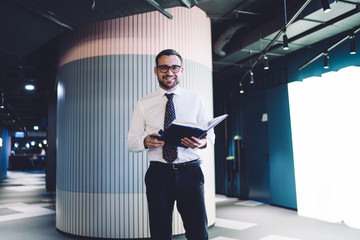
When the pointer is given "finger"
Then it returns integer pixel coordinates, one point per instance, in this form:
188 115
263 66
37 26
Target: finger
189 143
155 143
194 139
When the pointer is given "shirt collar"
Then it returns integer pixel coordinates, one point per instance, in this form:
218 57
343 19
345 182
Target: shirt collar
177 91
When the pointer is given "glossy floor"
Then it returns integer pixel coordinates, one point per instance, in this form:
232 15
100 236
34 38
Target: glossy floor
27 211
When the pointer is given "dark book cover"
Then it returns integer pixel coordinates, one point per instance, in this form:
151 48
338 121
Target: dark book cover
177 130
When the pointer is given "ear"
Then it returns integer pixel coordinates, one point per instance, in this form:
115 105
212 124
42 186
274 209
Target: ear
155 70
182 70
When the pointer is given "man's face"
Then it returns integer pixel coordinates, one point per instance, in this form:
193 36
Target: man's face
167 65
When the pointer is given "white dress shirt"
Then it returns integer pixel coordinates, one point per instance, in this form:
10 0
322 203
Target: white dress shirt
148 118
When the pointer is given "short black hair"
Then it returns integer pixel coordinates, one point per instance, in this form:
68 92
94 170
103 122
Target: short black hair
168 52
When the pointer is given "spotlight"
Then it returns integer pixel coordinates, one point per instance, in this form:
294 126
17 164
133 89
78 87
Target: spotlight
241 88
251 77
29 87
326 6
36 128
352 44
2 100
285 42
326 60
266 62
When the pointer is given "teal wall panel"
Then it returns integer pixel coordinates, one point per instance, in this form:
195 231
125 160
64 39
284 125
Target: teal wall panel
4 134
282 176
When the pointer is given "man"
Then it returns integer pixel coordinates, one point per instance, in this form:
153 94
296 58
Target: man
174 173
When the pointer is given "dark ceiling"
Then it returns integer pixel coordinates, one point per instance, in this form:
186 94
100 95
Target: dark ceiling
242 30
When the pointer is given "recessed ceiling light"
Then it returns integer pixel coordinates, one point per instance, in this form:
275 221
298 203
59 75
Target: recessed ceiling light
36 128
29 87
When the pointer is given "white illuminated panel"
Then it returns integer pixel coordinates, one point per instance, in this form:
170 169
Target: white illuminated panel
325 115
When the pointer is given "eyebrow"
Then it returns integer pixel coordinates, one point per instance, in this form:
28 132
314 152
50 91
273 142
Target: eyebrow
175 65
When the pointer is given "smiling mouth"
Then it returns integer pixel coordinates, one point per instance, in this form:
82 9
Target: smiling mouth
169 80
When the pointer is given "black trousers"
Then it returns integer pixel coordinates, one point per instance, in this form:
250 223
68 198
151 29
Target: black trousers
185 185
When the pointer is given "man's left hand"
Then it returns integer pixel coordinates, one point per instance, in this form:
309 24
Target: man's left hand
194 142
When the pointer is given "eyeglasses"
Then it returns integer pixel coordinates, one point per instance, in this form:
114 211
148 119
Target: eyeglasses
165 69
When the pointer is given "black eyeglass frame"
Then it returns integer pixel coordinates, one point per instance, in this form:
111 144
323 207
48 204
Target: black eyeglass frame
165 68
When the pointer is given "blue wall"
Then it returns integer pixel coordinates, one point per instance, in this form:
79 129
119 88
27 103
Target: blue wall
274 82
282 176
281 179
3 153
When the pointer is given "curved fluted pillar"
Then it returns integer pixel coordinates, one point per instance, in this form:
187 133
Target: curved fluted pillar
104 68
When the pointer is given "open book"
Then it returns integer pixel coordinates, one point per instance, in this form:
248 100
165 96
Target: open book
173 134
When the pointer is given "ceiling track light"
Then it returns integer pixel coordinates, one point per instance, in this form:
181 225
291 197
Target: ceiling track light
2 100
326 60
266 62
241 88
329 48
251 77
326 6
285 42
30 87
277 36
352 44
285 38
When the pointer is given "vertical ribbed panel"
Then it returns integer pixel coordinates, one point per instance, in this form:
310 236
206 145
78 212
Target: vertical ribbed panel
144 34
104 69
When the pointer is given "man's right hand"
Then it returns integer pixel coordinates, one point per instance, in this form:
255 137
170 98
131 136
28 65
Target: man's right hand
150 142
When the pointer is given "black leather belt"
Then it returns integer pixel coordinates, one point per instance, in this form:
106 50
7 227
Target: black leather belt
192 163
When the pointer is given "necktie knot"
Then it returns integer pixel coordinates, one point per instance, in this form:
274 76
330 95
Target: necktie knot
169 96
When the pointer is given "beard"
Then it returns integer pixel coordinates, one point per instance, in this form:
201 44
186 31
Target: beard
162 82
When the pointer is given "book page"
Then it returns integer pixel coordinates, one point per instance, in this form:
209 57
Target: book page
216 121
186 124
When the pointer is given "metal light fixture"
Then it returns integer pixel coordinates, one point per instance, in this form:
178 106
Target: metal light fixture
251 77
352 44
326 6
285 42
2 100
329 48
326 60
285 38
241 88
266 62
